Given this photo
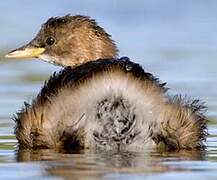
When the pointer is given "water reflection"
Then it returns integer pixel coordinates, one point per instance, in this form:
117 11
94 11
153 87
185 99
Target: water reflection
87 165
175 40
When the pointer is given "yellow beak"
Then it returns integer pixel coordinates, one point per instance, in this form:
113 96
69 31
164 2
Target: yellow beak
25 53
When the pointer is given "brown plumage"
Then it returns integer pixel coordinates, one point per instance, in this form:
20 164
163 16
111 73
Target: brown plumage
103 102
69 41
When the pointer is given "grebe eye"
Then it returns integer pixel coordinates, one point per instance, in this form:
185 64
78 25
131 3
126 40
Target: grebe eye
50 41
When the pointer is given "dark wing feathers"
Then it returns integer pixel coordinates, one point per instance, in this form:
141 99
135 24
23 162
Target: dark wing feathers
71 76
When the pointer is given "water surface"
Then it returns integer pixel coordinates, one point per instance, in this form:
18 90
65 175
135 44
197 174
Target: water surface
174 40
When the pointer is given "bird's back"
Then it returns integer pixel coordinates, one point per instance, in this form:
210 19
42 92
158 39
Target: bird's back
109 104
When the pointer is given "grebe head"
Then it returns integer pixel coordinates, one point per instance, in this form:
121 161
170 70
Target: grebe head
68 41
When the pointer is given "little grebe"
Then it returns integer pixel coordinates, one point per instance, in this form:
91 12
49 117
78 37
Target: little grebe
100 101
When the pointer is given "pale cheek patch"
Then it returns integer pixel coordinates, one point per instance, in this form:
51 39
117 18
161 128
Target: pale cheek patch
48 58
